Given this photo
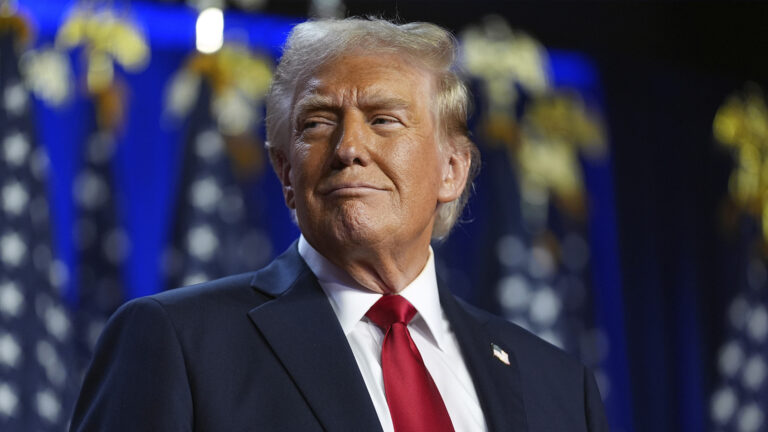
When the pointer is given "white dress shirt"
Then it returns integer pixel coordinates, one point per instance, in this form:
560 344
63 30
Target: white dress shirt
430 331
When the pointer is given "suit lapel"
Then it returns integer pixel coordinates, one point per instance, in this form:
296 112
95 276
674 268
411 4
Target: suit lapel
498 385
300 326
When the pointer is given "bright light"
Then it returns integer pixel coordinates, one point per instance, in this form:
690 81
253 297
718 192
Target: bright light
209 30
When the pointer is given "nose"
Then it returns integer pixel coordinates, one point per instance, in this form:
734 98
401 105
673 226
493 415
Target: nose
352 143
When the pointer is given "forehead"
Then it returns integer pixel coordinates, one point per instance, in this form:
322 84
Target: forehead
356 78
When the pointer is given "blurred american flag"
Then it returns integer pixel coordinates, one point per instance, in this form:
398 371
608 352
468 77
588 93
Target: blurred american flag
214 232
102 245
740 401
36 333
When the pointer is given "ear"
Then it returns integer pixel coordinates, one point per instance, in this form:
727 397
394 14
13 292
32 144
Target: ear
455 171
283 170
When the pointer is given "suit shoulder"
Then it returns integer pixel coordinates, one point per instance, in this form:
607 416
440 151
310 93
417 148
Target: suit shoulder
204 301
192 315
235 287
526 345
559 392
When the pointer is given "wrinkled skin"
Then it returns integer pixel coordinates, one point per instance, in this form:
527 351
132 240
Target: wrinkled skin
365 171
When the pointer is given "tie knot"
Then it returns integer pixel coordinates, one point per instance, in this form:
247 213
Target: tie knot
391 309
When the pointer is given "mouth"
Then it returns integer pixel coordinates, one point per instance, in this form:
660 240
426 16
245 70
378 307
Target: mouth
350 189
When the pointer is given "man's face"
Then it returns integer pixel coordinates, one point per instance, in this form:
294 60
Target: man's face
365 167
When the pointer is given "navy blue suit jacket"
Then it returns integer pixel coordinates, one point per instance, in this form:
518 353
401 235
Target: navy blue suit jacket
265 352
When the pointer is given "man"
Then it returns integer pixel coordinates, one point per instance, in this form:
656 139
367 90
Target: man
348 330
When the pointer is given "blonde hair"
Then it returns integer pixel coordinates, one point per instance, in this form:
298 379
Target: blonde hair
312 44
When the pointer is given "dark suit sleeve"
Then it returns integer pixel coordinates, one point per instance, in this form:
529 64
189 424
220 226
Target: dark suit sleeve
137 380
594 410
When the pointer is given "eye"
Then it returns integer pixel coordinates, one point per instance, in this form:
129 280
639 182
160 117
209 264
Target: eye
384 120
314 123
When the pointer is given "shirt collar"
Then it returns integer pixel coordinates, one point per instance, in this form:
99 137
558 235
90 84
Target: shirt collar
350 301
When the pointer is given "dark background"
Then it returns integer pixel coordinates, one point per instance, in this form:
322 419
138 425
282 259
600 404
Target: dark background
725 38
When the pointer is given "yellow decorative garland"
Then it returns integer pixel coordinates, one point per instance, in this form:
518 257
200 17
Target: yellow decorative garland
741 125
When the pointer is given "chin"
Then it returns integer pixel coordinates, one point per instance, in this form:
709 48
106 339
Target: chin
358 225
347 225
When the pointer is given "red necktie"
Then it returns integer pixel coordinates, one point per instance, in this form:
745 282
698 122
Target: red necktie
414 401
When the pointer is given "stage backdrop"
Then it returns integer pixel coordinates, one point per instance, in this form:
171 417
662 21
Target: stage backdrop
157 177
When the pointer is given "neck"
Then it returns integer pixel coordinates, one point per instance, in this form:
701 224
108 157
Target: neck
385 270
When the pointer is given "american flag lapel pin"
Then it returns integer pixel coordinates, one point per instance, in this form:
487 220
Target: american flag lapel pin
500 354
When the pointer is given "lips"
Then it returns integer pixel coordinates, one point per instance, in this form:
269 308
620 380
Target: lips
351 188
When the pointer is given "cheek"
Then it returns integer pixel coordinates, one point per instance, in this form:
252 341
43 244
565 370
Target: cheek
300 153
424 161
417 173
306 164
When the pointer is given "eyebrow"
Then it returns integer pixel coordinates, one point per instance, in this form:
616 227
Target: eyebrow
381 101
318 102
313 102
